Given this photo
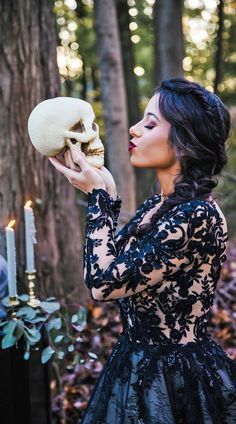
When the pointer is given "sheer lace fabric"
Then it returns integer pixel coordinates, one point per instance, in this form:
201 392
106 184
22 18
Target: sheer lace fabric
165 368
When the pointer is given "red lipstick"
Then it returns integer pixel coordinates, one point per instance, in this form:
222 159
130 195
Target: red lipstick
131 146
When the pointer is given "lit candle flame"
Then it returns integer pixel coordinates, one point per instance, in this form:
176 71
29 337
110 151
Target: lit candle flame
28 204
11 223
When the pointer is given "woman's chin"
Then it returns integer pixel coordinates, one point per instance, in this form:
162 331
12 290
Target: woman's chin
137 163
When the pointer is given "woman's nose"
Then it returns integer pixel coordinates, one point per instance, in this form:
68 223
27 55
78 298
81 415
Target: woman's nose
135 132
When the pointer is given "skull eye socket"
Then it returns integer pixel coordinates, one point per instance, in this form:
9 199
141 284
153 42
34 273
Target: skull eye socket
79 127
73 140
94 126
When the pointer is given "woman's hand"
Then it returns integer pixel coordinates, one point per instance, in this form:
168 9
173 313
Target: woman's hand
78 171
108 180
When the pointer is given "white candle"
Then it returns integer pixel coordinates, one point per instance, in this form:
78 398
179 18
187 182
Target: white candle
30 239
11 259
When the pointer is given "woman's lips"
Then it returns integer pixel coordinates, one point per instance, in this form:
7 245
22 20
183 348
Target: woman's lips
131 146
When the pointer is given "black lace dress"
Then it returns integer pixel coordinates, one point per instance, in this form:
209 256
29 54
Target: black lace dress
165 368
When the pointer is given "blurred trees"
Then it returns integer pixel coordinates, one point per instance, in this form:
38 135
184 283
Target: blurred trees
202 42
202 22
114 101
127 48
168 49
219 39
29 75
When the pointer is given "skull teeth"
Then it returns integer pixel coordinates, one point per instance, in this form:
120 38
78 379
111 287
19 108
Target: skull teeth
91 152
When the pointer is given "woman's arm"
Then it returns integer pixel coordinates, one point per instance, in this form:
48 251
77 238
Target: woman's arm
149 260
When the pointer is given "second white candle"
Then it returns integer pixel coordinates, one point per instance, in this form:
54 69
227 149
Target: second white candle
30 239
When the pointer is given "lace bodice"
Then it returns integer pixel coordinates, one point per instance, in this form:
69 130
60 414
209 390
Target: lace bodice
164 281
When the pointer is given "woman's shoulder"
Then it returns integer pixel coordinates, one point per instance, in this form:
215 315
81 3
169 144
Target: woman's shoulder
205 209
202 211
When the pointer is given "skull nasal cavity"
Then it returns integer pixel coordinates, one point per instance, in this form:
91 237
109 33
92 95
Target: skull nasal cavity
78 126
73 140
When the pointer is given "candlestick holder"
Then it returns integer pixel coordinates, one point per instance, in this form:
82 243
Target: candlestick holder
33 301
14 302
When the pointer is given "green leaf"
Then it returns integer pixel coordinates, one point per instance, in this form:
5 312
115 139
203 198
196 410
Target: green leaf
33 335
27 312
8 341
79 320
38 319
19 330
6 302
3 322
70 348
74 318
24 297
50 307
46 354
58 338
26 355
92 355
60 354
9 327
82 315
54 323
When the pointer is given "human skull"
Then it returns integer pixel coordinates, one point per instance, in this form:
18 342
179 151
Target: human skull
66 122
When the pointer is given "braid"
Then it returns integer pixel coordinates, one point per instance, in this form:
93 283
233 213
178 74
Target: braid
200 126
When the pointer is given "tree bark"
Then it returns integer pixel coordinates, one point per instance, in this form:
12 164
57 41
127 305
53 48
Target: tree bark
169 50
84 82
143 176
218 55
28 75
128 61
114 101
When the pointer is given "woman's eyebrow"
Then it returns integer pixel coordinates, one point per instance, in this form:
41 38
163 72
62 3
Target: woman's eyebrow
153 114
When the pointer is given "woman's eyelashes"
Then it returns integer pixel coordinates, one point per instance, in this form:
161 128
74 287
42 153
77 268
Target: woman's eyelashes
149 127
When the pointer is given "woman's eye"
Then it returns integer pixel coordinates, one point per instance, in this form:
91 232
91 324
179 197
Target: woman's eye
149 127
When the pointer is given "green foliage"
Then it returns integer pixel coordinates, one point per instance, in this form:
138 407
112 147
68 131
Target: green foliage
24 321
144 49
200 26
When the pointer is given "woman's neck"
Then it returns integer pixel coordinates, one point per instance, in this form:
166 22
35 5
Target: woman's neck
167 178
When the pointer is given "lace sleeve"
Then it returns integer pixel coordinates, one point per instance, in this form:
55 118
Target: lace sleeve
115 205
148 260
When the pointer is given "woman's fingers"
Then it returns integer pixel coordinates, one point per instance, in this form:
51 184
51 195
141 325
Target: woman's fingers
86 179
79 159
69 161
69 173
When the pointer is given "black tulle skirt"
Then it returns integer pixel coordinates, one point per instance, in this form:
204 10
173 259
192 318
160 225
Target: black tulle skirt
141 383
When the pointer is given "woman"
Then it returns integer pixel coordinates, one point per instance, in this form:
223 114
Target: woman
162 267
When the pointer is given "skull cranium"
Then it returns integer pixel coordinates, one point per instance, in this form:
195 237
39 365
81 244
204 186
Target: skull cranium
66 122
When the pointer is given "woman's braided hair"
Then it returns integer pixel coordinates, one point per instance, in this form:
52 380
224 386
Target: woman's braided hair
200 126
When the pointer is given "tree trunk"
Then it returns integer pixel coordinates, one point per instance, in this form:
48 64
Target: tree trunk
169 50
84 82
128 61
142 176
95 83
29 74
218 56
114 101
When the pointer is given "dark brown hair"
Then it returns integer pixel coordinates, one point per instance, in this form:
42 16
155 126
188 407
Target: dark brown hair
200 126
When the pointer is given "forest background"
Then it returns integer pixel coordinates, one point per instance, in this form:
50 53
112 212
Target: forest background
111 54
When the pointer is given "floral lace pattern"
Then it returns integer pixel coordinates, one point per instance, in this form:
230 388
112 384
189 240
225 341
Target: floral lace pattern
165 368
